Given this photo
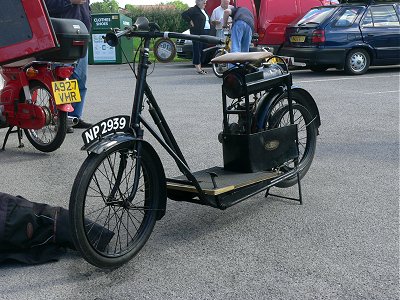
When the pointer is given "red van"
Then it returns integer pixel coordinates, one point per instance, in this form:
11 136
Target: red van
271 18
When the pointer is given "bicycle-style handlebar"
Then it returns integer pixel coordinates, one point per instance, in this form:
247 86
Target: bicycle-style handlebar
142 28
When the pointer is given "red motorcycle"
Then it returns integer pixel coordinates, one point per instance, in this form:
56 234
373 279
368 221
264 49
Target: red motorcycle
37 59
27 102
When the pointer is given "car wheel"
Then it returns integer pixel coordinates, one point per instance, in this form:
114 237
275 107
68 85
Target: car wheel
357 62
318 69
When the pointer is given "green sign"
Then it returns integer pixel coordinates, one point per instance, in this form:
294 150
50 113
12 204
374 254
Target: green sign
102 22
107 21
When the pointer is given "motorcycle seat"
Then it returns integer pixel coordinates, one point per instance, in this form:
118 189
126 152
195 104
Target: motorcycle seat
241 57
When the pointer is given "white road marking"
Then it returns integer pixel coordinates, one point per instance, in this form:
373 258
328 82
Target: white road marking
381 92
344 78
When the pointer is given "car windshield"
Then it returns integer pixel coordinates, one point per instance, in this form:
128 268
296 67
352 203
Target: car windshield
315 16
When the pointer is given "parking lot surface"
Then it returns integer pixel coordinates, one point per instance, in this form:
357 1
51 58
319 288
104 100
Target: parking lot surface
342 243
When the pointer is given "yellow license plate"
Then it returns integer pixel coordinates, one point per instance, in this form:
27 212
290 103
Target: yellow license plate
275 60
297 38
66 91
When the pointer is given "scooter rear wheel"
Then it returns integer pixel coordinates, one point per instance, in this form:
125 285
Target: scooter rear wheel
307 137
102 201
52 135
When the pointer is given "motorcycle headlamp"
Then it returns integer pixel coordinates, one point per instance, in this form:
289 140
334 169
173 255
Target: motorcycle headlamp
234 84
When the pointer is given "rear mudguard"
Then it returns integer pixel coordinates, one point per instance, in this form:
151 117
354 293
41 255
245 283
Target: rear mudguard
65 107
115 139
46 77
300 95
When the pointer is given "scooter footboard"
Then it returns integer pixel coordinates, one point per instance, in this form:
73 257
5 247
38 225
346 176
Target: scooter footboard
222 187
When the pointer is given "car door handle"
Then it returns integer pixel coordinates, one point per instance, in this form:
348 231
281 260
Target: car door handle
370 34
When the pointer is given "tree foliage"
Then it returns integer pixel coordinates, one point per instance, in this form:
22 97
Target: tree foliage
107 6
167 15
178 5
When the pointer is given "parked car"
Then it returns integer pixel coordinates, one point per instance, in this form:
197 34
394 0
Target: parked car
350 36
184 49
271 19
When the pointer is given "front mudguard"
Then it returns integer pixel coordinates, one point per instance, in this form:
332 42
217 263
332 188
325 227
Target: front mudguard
112 140
300 95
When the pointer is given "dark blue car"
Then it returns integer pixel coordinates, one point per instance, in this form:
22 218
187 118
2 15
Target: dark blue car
350 36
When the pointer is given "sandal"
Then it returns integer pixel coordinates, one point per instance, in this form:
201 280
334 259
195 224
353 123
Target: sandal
202 72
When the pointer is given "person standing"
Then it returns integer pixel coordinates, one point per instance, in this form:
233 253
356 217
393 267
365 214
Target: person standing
217 18
199 22
242 28
80 10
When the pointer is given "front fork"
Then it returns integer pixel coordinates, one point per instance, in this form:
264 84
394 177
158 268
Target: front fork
135 120
120 174
138 153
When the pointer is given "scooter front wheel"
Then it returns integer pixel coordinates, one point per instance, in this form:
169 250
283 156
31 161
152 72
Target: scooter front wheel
110 222
50 137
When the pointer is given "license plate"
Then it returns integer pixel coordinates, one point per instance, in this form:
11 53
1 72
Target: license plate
281 59
274 60
66 91
179 49
297 38
104 128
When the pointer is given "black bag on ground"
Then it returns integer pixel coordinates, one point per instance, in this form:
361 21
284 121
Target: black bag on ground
35 233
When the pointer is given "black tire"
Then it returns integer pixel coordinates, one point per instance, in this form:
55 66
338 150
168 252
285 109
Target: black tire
208 56
52 135
124 224
219 69
357 62
318 69
307 134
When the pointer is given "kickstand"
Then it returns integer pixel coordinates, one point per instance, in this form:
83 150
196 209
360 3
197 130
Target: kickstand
300 199
9 131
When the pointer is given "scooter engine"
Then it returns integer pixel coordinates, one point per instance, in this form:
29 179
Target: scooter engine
27 116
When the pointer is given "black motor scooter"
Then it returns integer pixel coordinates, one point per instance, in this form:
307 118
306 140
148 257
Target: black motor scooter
268 139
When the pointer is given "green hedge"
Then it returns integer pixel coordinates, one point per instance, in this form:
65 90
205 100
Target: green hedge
169 19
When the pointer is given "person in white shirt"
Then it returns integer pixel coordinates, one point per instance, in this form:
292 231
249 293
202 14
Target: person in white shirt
217 18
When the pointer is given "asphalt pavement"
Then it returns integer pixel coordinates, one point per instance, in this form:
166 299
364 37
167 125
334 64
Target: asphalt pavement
342 243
